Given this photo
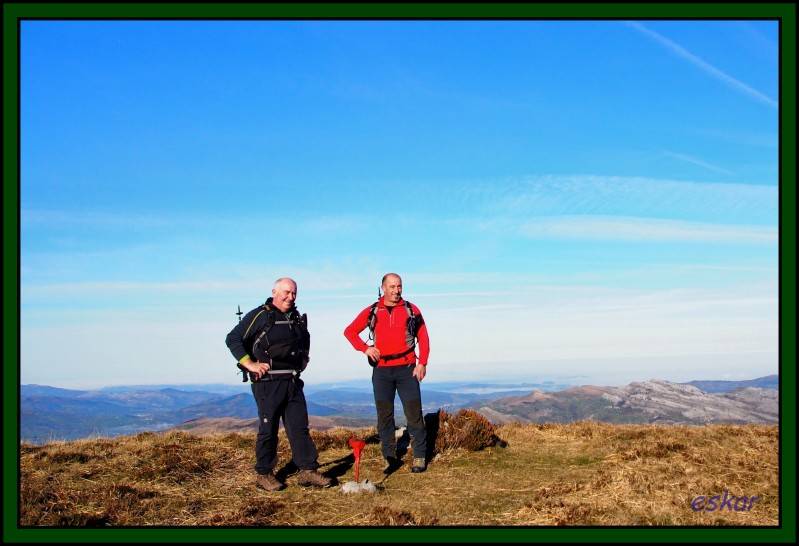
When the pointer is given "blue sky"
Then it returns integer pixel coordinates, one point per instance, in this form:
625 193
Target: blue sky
591 199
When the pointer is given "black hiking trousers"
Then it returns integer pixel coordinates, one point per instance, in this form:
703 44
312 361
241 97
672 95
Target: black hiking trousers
276 399
386 382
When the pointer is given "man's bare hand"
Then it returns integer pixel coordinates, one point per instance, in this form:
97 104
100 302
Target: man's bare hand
373 353
419 372
258 368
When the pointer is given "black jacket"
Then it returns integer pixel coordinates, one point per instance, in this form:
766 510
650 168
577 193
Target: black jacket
268 333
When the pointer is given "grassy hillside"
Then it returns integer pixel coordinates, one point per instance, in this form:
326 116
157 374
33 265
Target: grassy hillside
583 473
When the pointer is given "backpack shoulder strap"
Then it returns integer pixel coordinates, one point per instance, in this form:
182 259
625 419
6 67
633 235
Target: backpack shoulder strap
412 322
270 318
371 321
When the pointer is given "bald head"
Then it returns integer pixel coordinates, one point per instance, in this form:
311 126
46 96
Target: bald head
392 289
388 276
284 292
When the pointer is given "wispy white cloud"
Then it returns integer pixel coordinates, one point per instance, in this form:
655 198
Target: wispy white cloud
95 219
704 65
256 283
547 195
218 285
696 161
590 228
616 195
32 217
644 229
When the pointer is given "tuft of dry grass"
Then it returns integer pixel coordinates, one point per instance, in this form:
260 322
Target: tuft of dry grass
574 474
337 437
466 429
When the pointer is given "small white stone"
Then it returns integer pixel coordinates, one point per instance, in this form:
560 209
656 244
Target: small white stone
358 487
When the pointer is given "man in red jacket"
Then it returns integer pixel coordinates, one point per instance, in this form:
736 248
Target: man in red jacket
395 326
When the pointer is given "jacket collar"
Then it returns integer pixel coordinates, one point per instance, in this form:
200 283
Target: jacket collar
269 303
382 304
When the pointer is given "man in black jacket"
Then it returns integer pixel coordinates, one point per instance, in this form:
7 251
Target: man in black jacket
271 342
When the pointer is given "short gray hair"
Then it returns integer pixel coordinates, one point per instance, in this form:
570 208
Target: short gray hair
281 280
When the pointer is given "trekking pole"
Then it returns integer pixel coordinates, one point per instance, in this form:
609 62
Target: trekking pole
238 364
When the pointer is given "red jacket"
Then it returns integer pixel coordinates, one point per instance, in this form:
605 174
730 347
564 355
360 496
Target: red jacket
391 333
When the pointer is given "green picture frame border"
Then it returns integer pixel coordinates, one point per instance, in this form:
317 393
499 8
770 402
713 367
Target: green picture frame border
14 13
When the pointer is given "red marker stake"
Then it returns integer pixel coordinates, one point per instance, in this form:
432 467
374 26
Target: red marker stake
357 446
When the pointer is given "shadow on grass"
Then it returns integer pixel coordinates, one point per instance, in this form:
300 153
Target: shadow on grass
432 422
340 467
289 469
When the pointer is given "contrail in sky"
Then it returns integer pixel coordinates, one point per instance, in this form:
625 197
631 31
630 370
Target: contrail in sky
704 65
695 161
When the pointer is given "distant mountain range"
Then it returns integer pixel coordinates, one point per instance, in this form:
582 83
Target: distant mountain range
52 413
767 382
653 401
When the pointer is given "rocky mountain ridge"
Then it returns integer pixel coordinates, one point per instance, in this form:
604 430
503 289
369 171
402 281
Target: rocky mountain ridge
653 401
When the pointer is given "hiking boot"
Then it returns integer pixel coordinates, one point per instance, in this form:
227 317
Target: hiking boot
419 465
269 482
392 465
312 477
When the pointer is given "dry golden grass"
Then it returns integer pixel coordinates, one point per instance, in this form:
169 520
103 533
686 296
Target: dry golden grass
465 429
575 474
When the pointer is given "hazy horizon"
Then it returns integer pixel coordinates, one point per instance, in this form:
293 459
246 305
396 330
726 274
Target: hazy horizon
498 383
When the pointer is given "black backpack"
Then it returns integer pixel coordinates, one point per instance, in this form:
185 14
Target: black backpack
291 351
